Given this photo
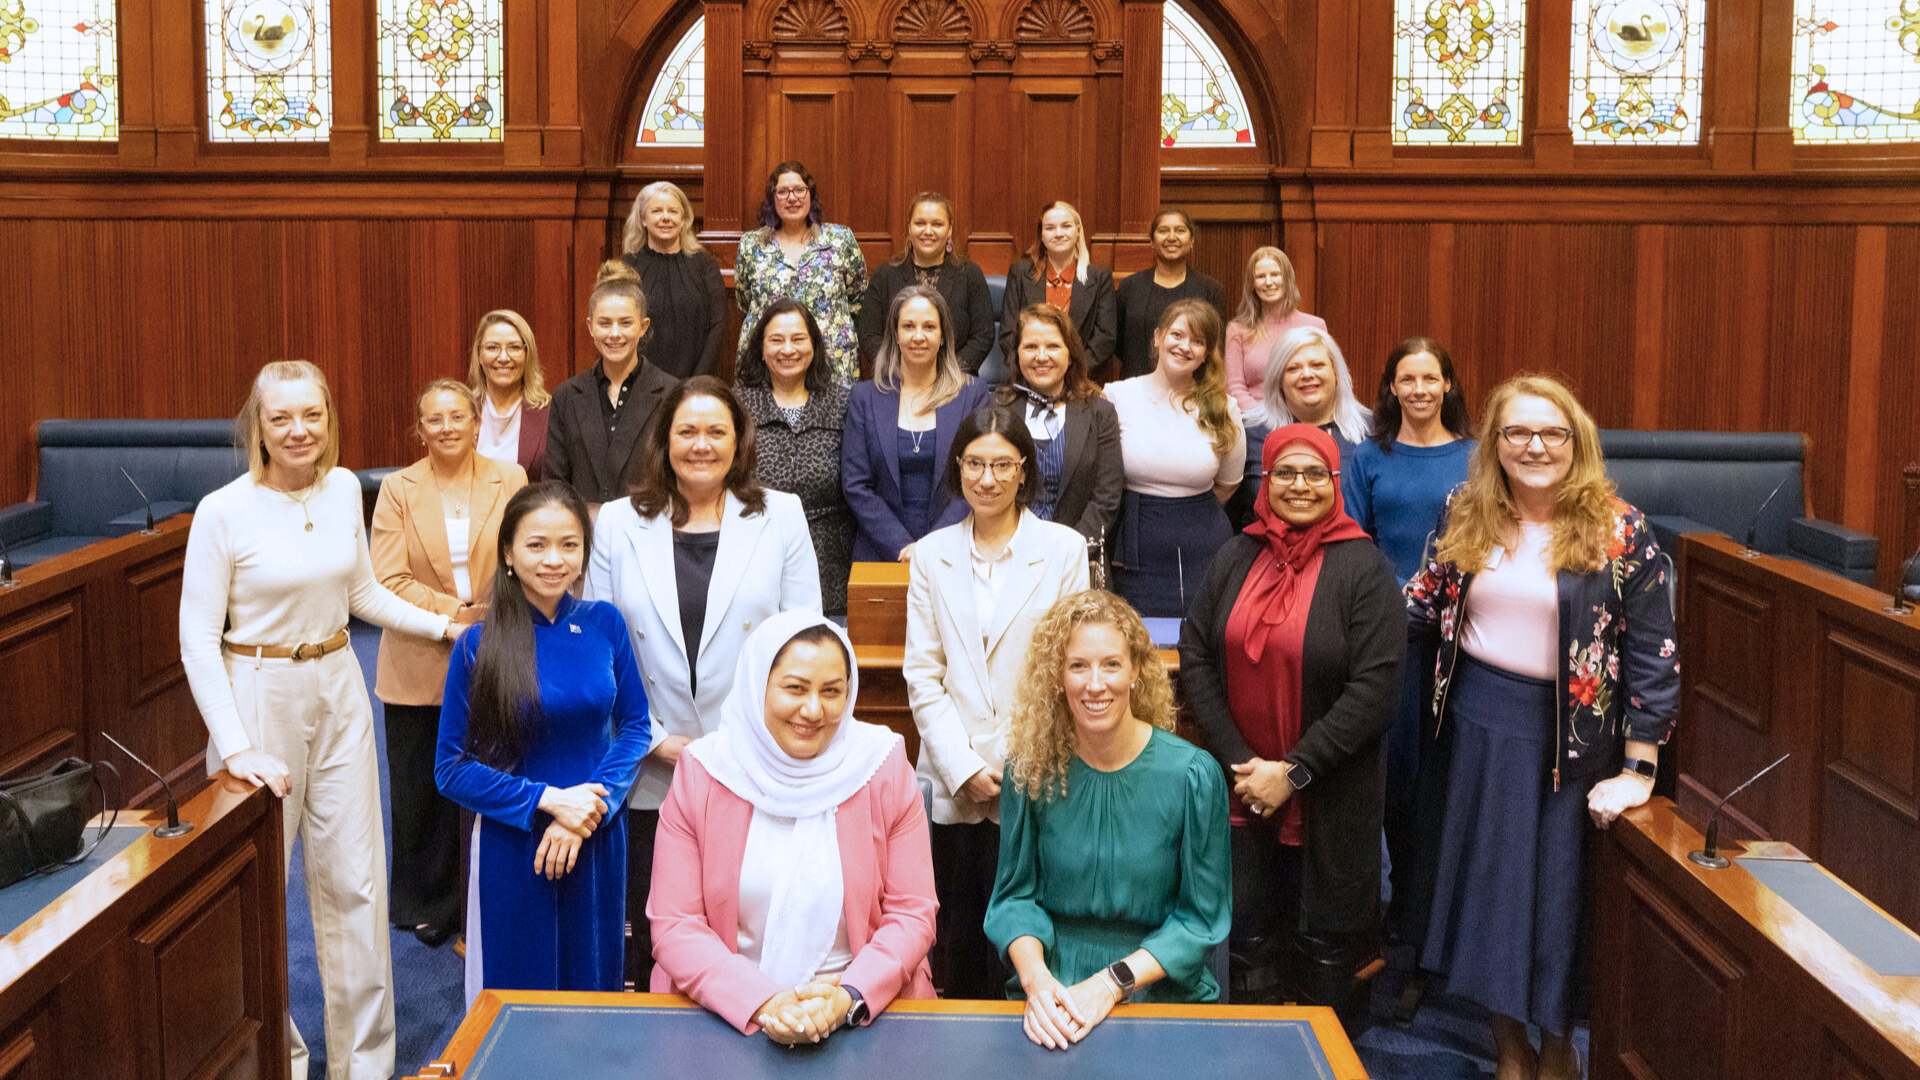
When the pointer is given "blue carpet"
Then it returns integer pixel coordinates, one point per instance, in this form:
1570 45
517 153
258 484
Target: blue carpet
1447 1040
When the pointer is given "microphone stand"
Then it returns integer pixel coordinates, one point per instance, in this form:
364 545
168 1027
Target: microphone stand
1748 551
174 826
148 503
6 567
1709 854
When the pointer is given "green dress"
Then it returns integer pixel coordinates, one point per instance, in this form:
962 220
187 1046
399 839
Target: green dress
1135 858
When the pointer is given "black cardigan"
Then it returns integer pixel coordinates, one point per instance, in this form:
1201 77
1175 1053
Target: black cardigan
961 285
1355 642
600 464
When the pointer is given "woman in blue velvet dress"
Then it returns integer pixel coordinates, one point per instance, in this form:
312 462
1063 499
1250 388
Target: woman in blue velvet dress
542 729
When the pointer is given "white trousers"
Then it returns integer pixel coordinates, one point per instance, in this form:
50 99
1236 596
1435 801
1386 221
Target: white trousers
314 715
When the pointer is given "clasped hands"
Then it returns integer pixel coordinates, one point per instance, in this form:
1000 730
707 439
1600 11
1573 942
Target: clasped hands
1057 1016
1263 785
576 812
805 1014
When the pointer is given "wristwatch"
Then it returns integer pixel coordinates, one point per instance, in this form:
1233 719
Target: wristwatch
1298 775
1639 767
1122 975
859 1013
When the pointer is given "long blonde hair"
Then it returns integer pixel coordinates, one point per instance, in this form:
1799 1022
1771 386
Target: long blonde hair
1482 513
635 236
1248 317
948 376
533 381
247 426
1209 391
1041 741
1037 252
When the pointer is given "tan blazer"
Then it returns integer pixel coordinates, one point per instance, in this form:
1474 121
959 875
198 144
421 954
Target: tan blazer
409 546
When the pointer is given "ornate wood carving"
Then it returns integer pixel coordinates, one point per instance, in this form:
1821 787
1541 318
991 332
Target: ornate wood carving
869 50
932 20
811 20
1055 20
756 50
1001 51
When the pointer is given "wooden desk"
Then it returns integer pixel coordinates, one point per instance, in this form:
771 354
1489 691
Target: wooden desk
590 1036
169 961
1706 974
89 642
1779 656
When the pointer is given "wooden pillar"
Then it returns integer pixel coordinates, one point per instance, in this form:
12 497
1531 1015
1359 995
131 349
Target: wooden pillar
726 131
1330 140
1140 117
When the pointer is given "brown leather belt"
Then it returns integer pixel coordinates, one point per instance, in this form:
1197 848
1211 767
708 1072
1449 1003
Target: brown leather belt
292 652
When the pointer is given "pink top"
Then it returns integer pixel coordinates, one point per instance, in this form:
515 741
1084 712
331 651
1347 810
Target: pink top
1247 356
694 903
1513 608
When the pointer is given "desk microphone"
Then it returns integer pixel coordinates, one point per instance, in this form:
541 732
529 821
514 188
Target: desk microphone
1709 855
1906 588
148 531
6 567
174 826
1753 527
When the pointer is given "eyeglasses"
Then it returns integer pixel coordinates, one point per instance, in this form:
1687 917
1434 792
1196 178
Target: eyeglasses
790 193
494 348
1003 469
1550 437
1315 477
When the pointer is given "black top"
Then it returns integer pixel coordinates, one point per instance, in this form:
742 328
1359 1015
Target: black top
591 443
1091 308
959 282
1356 637
693 555
1140 305
687 303
611 404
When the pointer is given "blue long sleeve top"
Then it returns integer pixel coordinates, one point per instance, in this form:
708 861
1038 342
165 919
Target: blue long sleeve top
592 724
1397 497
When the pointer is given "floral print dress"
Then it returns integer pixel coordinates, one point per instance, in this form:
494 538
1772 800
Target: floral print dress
830 278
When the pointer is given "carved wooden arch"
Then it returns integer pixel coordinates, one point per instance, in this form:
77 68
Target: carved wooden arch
1075 21
1258 51
916 21
809 20
632 59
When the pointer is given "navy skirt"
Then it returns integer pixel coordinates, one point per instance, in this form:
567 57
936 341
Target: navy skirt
1163 548
1507 896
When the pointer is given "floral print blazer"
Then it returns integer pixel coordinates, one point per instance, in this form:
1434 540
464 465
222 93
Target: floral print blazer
830 279
1619 666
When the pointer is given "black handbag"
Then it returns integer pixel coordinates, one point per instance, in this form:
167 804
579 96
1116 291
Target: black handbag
43 818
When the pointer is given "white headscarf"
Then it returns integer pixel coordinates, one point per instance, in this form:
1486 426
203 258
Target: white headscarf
742 755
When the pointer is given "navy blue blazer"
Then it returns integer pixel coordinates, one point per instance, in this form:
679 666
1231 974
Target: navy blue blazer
870 467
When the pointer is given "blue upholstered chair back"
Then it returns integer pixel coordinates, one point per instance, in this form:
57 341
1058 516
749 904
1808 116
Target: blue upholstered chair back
177 462
996 368
1689 481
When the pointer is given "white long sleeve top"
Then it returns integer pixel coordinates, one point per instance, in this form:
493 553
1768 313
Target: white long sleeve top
1162 448
253 568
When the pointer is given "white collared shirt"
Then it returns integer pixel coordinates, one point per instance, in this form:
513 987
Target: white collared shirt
986 572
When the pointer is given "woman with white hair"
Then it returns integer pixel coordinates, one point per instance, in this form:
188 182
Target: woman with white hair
1307 382
686 298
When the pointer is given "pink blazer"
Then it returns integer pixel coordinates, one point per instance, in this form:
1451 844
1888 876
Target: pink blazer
694 902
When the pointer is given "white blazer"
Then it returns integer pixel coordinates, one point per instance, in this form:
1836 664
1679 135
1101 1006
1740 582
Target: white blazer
961 676
765 565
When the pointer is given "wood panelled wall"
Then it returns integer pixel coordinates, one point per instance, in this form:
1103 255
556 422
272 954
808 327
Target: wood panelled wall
1744 284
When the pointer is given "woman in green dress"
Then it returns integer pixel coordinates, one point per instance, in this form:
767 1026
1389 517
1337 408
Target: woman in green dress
1114 881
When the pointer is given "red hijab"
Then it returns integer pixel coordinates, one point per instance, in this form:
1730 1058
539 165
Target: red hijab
1272 586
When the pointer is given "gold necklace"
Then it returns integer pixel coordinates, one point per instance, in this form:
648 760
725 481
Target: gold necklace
459 511
300 501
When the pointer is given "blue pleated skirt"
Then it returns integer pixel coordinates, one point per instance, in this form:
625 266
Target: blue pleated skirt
1164 546
1505 922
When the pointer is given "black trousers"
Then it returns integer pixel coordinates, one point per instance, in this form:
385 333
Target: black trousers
426 887
1271 958
641 825
965 964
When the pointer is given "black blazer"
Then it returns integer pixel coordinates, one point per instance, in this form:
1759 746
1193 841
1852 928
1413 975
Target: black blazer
1092 309
580 450
1349 688
961 285
1092 478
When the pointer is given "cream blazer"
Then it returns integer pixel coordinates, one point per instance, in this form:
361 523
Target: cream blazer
961 676
765 565
408 544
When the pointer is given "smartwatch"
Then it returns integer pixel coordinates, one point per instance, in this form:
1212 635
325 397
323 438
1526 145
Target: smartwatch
859 1014
1122 975
1298 775
1639 767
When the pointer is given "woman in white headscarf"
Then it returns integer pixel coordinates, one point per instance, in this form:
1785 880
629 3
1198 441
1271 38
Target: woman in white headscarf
792 882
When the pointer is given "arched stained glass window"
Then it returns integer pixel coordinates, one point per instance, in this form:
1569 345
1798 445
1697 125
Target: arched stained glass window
1856 71
441 71
269 70
677 105
58 70
1636 71
1459 71
1200 101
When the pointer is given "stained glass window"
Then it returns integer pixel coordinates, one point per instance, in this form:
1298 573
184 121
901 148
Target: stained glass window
1636 71
1856 71
1459 71
677 105
440 70
269 70
1200 102
58 70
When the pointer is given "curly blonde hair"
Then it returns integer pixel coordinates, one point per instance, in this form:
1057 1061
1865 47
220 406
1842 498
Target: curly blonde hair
1042 739
1482 512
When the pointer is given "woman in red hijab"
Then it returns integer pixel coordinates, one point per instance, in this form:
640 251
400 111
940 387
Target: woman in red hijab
1289 661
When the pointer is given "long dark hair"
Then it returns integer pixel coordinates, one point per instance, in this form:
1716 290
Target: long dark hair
1011 425
1386 407
657 490
752 369
504 695
1076 385
770 218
